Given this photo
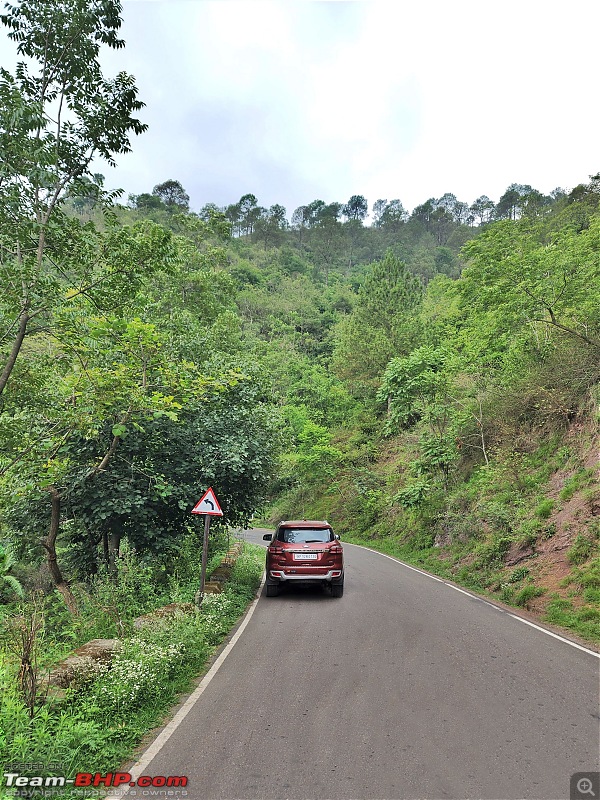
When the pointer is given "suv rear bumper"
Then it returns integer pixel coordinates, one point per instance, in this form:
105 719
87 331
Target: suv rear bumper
281 575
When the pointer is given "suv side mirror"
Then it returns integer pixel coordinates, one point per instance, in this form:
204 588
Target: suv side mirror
268 536
336 536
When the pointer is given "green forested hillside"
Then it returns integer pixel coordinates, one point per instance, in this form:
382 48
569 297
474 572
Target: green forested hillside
437 400
469 407
427 379
434 399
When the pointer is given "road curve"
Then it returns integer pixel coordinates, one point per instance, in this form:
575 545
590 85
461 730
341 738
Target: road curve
403 688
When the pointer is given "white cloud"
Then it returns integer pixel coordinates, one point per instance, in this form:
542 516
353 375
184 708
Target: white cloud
296 100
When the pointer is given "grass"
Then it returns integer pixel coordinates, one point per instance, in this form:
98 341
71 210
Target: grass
581 479
582 548
544 508
527 593
584 621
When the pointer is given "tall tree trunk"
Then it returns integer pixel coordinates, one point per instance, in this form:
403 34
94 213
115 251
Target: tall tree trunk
15 349
114 543
49 544
105 550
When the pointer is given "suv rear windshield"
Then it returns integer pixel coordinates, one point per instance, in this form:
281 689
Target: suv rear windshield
304 535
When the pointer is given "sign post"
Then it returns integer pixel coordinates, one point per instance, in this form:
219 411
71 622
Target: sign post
204 553
209 506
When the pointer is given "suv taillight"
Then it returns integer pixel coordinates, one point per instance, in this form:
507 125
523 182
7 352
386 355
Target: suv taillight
276 551
335 548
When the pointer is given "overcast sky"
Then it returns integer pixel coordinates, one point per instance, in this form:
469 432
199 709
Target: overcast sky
295 100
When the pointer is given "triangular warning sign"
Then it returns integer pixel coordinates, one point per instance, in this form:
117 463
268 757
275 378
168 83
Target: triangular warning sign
208 504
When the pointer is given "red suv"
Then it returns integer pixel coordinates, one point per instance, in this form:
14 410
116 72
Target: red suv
304 550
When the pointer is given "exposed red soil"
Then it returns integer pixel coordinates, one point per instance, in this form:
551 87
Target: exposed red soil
546 559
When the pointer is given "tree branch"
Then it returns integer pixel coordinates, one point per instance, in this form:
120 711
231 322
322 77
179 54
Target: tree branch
108 455
552 321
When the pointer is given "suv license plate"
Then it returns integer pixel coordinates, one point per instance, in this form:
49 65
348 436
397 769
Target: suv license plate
305 556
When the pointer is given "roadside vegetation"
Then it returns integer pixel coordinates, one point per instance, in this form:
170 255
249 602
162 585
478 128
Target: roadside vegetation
95 724
429 382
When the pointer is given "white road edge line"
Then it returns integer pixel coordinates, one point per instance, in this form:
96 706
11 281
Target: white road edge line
169 729
474 596
556 636
462 591
397 560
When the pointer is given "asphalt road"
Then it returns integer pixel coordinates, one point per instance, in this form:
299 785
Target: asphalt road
402 688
